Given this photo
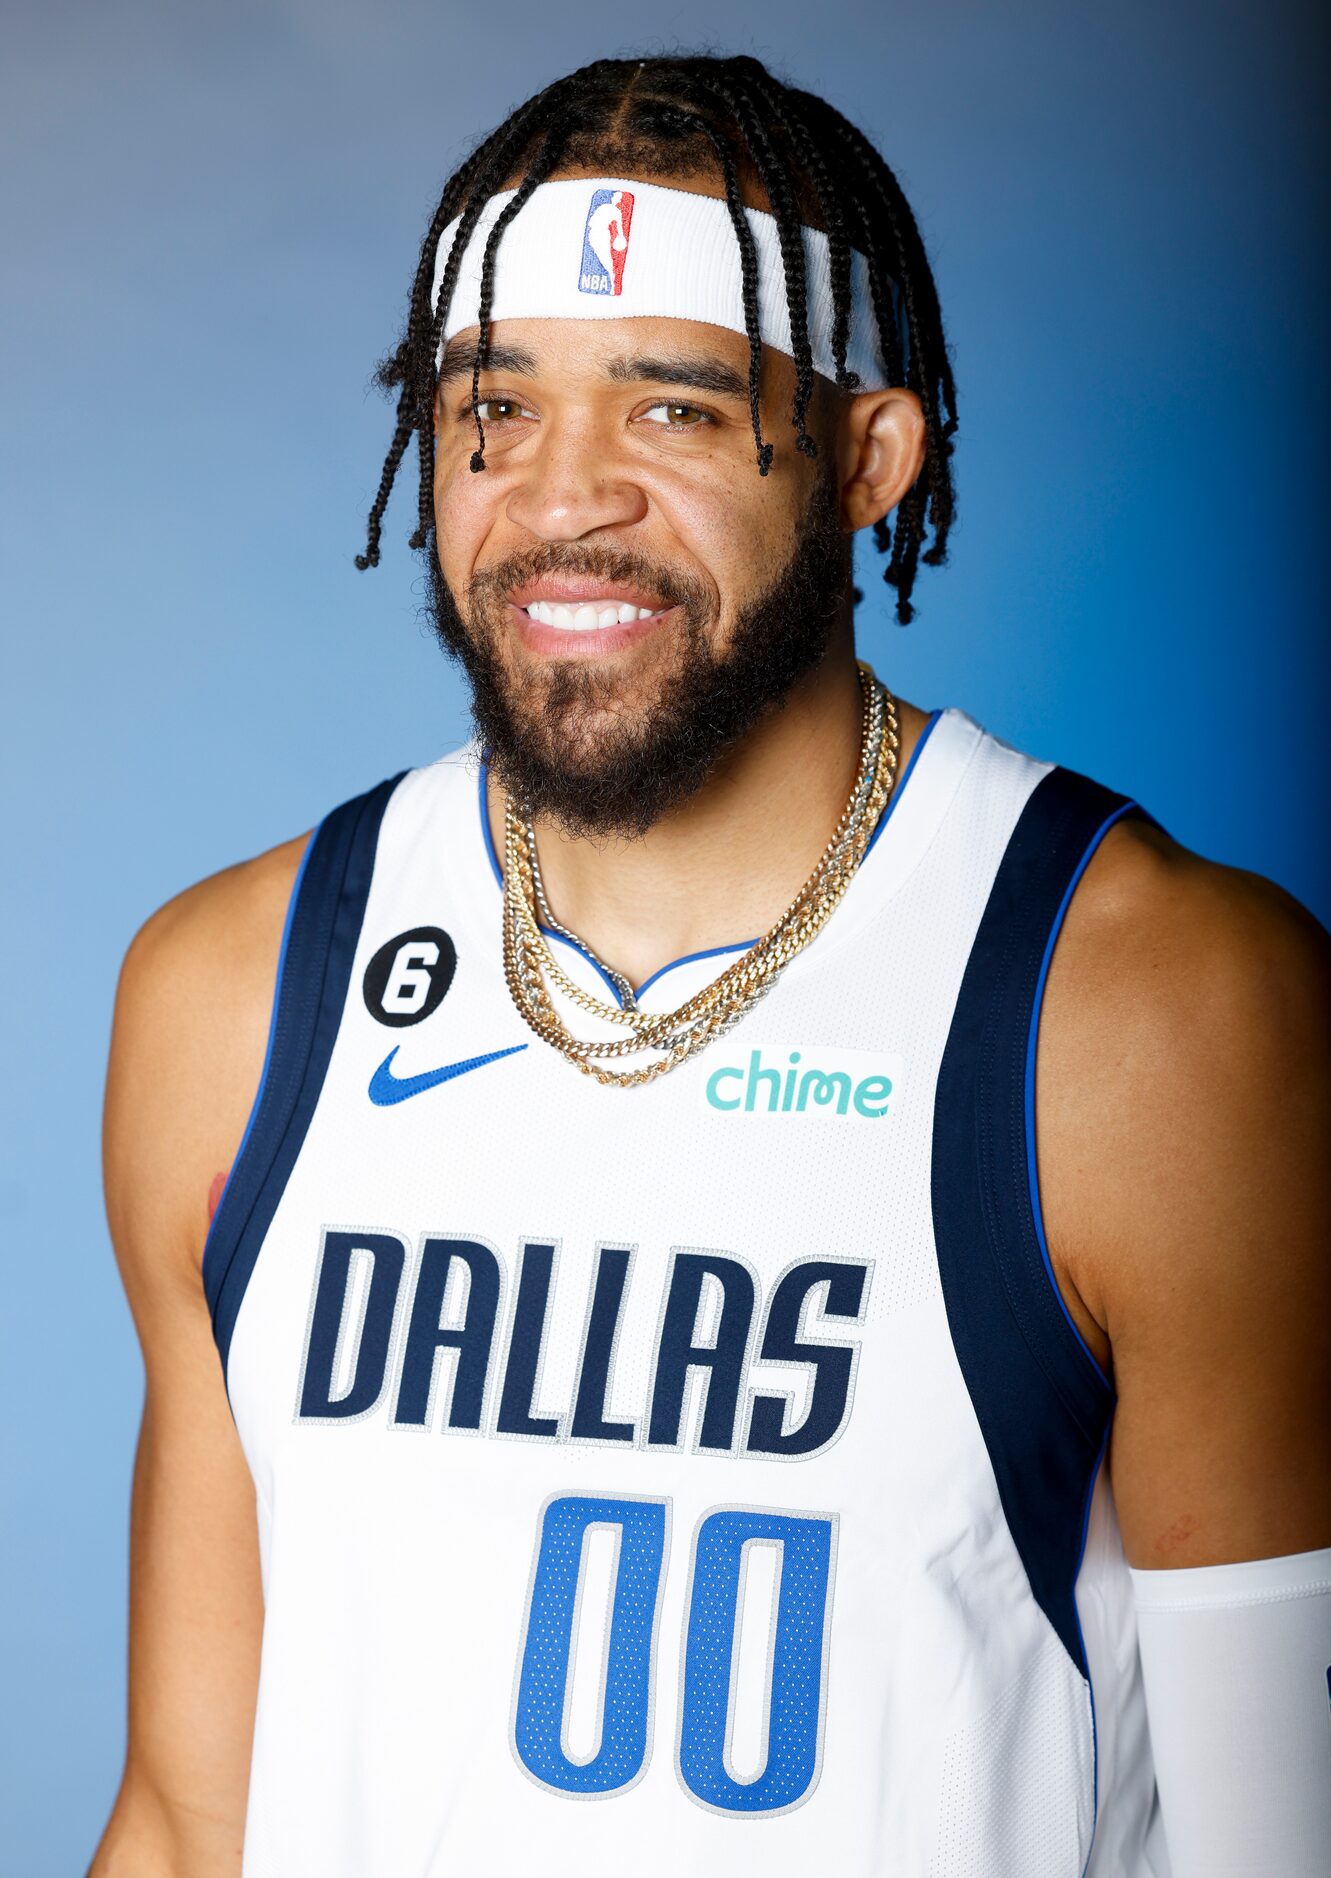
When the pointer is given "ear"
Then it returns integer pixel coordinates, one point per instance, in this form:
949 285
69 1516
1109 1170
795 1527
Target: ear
881 452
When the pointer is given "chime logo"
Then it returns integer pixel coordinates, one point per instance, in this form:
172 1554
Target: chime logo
860 1085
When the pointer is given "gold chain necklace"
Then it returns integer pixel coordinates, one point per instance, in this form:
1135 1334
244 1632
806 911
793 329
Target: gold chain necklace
680 1034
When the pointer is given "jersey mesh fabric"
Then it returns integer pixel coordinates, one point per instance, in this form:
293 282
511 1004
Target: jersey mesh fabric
921 1705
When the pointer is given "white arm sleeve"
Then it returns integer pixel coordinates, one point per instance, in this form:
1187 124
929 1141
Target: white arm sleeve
1236 1665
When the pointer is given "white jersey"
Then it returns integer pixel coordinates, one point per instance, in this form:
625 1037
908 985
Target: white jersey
694 1478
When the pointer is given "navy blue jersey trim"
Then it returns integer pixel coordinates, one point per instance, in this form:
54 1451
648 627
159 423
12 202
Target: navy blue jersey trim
1090 1680
1041 1399
213 1237
1032 1036
318 947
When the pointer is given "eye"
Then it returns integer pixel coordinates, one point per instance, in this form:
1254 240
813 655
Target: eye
680 416
497 410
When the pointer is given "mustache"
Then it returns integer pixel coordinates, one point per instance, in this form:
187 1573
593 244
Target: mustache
675 587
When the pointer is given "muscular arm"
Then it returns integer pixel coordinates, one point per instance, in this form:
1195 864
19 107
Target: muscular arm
187 1047
1183 1119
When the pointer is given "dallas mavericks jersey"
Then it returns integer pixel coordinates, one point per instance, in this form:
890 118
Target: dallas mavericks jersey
698 1477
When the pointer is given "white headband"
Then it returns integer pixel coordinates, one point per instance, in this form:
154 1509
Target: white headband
606 248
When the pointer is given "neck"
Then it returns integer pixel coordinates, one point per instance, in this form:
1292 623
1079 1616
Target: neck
721 868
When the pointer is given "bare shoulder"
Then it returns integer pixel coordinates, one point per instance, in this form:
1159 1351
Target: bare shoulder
187 1045
1161 945
1182 1071
188 1038
1179 988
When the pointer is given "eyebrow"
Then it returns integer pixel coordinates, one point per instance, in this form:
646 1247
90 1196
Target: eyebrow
696 371
459 361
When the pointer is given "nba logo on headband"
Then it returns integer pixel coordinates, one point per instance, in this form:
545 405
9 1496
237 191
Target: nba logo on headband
605 241
686 265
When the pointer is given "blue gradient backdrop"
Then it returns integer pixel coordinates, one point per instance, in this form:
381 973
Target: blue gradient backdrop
211 220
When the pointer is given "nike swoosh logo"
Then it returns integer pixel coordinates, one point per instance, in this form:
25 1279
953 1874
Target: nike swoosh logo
386 1088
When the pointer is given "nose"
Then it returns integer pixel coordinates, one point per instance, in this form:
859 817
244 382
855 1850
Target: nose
572 485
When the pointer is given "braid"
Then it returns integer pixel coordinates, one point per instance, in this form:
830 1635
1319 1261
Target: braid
686 115
396 450
928 371
810 156
748 261
413 364
402 369
776 181
540 169
462 187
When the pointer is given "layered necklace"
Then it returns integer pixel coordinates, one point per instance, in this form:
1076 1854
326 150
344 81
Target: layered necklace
530 966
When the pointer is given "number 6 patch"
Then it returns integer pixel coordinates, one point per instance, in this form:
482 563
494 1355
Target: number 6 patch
407 978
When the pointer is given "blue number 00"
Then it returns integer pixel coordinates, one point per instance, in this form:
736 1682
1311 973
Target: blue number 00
796 1670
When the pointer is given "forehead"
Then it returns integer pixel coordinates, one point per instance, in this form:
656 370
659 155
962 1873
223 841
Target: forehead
616 352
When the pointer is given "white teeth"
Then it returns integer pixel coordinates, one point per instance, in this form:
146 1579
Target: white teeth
589 617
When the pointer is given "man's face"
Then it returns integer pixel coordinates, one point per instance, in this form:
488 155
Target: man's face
621 476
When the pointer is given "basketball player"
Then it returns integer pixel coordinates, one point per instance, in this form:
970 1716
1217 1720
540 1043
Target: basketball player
769 1270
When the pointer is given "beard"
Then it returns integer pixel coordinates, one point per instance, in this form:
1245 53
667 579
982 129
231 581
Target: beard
600 751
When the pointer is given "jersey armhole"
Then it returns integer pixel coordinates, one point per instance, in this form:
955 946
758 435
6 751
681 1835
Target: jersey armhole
319 939
1116 813
1041 1398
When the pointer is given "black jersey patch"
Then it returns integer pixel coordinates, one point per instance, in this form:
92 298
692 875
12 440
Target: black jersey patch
407 978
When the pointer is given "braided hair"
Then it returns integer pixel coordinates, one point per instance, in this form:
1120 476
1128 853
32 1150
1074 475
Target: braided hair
694 115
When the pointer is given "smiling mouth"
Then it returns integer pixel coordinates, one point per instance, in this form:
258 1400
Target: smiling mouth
589 616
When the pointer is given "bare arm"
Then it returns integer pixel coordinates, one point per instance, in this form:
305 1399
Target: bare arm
187 1048
1183 1119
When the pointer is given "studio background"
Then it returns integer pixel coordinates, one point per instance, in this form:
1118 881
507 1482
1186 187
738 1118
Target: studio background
211 219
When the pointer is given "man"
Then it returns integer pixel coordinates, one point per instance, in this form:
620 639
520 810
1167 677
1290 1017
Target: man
774 1278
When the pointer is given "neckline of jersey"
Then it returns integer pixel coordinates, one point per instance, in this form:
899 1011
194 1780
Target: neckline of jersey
712 952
